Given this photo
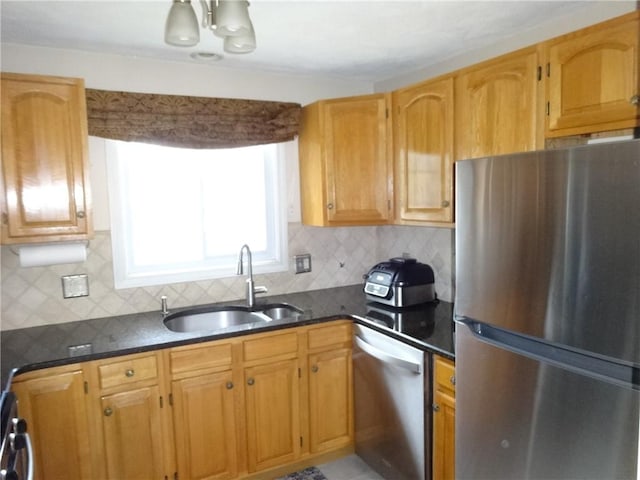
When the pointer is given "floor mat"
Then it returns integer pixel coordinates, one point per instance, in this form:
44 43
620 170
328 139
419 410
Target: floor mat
311 473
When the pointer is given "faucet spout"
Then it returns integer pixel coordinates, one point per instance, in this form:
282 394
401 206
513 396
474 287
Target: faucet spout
251 289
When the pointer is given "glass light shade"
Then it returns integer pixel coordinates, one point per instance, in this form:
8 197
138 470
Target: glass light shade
240 43
182 27
232 18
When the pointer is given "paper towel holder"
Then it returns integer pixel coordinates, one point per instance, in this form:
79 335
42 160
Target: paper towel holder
47 254
17 254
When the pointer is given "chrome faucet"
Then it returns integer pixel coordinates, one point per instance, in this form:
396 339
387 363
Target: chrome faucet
251 289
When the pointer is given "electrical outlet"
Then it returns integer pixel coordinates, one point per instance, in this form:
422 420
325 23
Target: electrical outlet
78 350
302 263
75 286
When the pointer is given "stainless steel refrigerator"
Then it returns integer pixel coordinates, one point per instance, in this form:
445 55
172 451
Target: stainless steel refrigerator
547 311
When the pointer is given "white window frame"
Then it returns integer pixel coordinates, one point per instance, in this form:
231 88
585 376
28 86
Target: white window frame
126 275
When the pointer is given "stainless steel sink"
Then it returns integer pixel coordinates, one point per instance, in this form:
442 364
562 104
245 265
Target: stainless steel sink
281 311
209 319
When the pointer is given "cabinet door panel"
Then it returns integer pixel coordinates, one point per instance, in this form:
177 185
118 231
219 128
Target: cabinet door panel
444 437
56 417
133 434
423 139
205 426
44 141
444 419
273 414
593 76
330 400
496 107
357 164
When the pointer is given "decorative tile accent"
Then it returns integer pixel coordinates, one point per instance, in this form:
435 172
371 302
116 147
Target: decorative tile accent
340 256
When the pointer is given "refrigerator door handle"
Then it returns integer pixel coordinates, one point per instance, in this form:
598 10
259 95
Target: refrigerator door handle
386 357
617 372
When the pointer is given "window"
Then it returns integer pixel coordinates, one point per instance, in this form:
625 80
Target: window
182 215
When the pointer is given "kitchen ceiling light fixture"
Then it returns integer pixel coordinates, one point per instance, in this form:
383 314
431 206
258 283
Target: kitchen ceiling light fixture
228 19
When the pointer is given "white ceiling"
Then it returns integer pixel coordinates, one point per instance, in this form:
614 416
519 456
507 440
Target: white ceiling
359 40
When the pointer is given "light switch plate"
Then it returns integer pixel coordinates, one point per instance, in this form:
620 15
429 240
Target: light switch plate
75 286
302 262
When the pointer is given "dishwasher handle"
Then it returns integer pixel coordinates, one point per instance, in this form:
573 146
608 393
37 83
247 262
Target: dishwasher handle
388 358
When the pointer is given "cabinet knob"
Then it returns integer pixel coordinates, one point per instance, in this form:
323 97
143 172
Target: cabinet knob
251 381
453 379
108 412
635 100
330 206
445 203
80 214
229 385
435 407
130 373
314 368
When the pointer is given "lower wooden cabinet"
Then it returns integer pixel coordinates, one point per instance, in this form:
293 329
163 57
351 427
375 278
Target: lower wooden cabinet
53 402
330 375
205 425
273 415
130 417
132 431
444 419
247 406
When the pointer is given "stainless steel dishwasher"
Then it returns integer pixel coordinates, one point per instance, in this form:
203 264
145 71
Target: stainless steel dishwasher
391 384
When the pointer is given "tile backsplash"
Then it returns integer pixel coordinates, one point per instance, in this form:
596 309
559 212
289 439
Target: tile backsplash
340 256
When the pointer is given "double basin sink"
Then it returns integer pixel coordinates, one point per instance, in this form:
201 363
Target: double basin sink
211 319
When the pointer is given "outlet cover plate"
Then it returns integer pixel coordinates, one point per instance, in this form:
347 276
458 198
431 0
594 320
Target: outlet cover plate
75 286
302 263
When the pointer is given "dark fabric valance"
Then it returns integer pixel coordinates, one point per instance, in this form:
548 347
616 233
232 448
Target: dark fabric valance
189 122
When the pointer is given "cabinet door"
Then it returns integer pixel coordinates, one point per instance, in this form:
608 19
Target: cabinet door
357 160
423 152
44 155
273 414
593 82
444 418
205 426
132 429
330 400
496 107
54 408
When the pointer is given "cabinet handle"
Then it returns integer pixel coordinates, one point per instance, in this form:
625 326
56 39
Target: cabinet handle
108 412
130 373
314 368
635 100
251 381
453 379
330 206
229 385
435 407
80 214
5 218
445 203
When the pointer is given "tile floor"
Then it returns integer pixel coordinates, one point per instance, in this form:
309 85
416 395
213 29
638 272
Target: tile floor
350 467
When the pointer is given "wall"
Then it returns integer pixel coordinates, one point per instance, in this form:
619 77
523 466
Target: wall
340 256
594 12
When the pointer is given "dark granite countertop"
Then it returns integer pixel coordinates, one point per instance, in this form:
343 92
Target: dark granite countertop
429 327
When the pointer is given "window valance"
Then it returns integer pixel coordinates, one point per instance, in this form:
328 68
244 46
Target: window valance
189 122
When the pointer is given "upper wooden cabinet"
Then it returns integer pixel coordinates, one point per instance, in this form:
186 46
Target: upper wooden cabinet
497 108
423 152
44 160
593 83
345 162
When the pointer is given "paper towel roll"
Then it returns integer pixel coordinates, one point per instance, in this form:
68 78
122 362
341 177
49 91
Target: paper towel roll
52 254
